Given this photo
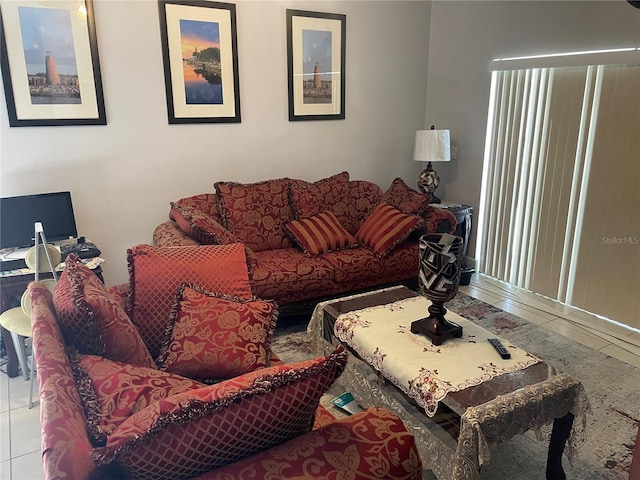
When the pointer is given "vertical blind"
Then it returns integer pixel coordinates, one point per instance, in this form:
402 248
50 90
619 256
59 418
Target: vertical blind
560 205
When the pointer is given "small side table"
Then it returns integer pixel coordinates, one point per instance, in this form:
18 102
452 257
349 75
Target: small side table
463 215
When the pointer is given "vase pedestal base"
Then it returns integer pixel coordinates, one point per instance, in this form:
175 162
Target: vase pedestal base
438 329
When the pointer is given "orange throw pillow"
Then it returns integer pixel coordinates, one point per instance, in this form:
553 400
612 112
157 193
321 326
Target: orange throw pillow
156 273
320 233
385 228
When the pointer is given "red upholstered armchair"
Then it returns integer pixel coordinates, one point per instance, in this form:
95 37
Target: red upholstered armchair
162 379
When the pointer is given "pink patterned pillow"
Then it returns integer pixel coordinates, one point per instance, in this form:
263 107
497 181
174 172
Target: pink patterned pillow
113 391
92 320
255 213
399 195
331 194
320 233
385 228
200 430
212 338
155 273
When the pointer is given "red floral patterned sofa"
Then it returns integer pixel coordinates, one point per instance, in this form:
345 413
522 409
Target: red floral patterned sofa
165 379
311 240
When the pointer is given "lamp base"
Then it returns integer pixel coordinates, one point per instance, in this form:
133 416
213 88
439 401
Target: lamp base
438 329
428 180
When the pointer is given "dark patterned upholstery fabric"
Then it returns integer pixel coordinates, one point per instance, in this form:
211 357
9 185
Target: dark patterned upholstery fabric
93 321
199 430
287 275
66 449
438 219
373 444
320 233
372 450
207 203
405 198
365 197
113 391
386 228
330 194
168 234
214 337
362 267
155 273
255 213
201 226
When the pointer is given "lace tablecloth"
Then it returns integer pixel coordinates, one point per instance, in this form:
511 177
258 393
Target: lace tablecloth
482 427
381 335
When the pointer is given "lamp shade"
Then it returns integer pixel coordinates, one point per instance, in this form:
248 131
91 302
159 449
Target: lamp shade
432 146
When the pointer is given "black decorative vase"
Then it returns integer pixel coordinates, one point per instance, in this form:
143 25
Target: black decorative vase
438 280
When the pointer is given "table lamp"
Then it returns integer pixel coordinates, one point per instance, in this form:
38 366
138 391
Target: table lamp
431 146
438 280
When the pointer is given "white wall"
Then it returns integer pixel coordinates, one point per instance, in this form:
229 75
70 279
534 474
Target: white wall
466 35
123 175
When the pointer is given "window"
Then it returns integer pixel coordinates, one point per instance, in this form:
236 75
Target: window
560 205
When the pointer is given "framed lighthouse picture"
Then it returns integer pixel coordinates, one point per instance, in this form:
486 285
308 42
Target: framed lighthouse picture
50 65
316 61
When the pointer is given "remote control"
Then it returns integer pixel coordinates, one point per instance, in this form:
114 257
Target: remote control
504 353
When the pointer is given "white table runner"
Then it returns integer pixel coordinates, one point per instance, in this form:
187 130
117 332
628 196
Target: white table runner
382 336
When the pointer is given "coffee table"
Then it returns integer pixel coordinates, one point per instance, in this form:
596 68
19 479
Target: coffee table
456 441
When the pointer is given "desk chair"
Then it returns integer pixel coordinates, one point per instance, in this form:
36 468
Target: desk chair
18 320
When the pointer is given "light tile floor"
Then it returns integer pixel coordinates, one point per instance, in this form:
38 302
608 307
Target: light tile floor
20 426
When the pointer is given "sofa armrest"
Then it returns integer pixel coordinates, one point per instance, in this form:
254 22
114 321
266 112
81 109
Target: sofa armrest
66 449
168 234
372 444
439 220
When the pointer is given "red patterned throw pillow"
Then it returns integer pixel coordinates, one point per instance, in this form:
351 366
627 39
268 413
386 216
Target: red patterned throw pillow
331 194
92 320
385 228
205 229
201 226
320 233
204 202
199 430
399 195
155 273
113 391
255 213
214 338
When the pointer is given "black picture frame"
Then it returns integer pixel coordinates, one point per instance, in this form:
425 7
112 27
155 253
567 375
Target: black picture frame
56 80
316 65
205 87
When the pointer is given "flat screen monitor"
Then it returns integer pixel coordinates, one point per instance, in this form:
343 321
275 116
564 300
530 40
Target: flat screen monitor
19 214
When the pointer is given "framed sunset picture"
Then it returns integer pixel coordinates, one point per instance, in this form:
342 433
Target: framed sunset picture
199 48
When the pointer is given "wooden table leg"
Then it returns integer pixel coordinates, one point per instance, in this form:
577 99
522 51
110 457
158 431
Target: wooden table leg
559 435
